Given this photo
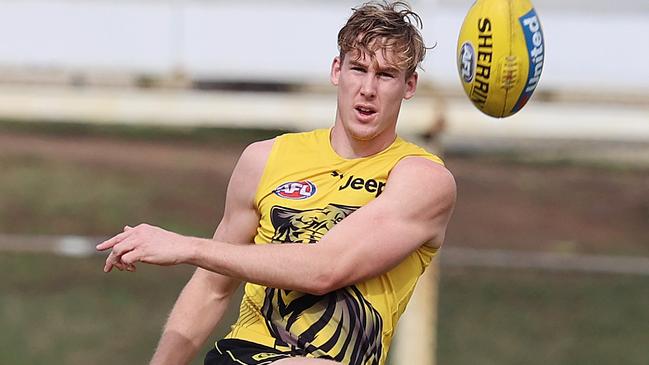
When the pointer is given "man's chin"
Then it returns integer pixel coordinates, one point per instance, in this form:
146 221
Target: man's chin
363 132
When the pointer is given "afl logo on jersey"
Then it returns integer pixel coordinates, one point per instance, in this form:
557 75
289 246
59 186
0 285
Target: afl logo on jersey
296 190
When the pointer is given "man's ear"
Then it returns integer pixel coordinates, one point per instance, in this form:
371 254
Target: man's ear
411 86
336 65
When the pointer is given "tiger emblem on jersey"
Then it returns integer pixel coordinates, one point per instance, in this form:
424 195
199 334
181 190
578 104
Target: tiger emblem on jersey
306 226
341 325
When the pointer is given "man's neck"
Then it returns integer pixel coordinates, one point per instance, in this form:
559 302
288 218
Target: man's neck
346 146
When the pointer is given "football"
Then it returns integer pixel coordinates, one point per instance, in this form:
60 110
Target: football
500 54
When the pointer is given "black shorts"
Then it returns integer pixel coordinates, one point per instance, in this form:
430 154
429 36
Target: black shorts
239 352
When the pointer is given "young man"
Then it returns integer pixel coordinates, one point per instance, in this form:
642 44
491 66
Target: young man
343 220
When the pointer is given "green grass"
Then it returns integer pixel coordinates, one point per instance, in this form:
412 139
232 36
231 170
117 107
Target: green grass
528 317
44 195
40 196
67 311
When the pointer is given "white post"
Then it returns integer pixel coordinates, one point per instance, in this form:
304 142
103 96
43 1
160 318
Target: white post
416 335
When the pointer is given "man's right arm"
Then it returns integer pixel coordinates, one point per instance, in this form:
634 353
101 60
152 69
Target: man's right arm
205 298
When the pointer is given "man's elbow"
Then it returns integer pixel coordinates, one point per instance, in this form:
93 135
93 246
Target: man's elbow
330 278
319 286
317 289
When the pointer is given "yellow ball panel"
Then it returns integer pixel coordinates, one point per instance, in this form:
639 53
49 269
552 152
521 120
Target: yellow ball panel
500 55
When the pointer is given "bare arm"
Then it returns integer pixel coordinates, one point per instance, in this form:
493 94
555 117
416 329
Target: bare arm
206 296
197 311
414 209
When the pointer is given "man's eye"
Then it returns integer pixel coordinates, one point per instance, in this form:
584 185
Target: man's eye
359 69
386 75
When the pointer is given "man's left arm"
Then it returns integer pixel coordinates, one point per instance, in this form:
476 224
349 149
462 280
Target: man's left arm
414 209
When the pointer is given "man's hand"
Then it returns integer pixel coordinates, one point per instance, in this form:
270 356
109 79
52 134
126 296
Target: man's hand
144 243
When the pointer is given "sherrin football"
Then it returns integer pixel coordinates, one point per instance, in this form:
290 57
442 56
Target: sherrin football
500 55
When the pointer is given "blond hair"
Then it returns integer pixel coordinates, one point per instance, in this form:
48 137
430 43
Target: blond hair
384 26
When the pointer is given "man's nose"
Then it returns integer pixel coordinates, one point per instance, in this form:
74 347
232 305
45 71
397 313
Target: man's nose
368 86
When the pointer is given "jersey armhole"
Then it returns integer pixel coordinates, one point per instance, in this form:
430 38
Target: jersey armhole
429 157
262 186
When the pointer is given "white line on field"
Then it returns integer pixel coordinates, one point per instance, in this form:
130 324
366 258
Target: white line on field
84 246
544 261
69 245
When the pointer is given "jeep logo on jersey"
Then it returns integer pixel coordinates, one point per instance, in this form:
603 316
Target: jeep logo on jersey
296 190
358 183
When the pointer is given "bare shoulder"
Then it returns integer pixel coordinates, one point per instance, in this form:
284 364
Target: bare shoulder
263 146
422 189
423 193
259 150
426 174
253 158
248 172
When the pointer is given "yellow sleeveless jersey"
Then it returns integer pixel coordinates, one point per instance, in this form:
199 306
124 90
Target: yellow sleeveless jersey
305 189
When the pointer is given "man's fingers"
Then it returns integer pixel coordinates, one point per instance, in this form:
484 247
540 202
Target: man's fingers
111 262
124 246
112 241
108 266
126 250
130 257
114 260
121 244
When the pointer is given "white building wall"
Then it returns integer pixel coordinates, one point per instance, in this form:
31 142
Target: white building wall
296 40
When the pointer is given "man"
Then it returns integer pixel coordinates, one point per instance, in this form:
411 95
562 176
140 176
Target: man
343 220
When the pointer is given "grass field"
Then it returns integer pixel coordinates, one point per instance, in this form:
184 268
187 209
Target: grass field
60 197
93 180
528 317
67 311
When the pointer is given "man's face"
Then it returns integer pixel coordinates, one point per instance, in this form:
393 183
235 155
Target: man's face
370 92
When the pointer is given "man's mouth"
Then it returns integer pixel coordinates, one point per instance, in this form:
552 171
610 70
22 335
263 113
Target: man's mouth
365 110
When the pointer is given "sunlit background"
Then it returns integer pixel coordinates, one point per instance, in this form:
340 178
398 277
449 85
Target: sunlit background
119 112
